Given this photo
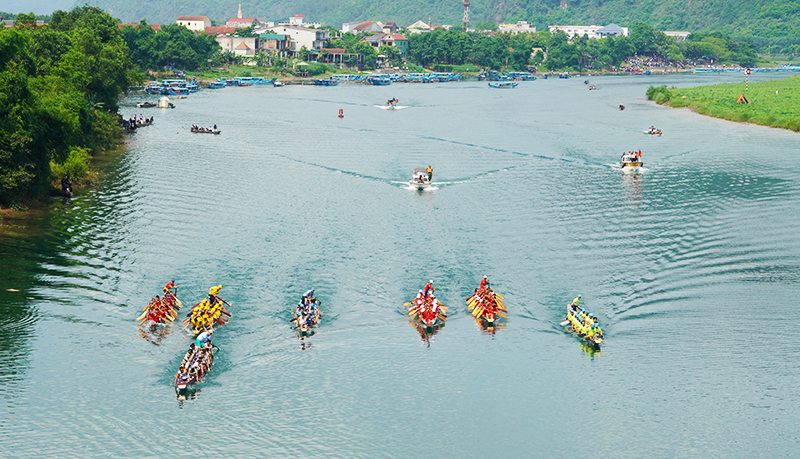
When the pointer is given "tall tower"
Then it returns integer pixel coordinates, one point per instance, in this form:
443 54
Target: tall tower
466 15
240 11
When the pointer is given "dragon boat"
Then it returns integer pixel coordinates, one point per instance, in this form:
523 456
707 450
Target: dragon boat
162 309
427 310
307 313
194 365
486 305
207 313
583 324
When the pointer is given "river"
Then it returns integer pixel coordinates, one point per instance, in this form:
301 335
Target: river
691 267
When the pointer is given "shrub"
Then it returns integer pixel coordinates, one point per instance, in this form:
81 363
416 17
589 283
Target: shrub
317 68
76 166
658 94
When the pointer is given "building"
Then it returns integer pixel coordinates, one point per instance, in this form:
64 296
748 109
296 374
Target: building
680 36
519 27
389 39
242 46
195 23
390 27
590 31
368 27
220 30
242 23
420 26
272 43
301 36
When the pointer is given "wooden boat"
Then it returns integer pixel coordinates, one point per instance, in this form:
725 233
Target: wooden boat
147 104
307 314
326 82
580 322
504 85
206 131
205 315
486 305
419 179
195 365
161 310
427 311
216 85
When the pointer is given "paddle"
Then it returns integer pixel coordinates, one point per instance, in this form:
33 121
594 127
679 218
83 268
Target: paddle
408 304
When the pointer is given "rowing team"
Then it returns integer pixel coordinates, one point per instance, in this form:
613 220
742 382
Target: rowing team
485 303
196 362
207 313
426 308
162 310
307 313
583 323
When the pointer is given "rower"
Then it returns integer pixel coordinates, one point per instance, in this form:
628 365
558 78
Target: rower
309 294
484 283
212 294
427 290
204 338
170 285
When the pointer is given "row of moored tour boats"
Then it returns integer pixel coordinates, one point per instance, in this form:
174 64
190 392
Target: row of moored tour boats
425 312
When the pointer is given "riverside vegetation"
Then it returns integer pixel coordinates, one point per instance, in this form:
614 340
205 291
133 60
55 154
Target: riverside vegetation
59 86
772 103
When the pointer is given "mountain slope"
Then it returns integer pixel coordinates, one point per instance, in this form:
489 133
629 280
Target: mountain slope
758 18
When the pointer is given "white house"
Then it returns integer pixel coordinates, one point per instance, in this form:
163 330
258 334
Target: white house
678 35
301 36
243 46
519 27
592 31
195 23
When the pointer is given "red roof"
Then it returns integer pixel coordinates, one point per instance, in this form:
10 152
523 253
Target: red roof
364 25
398 36
335 50
220 30
242 45
241 19
191 18
155 27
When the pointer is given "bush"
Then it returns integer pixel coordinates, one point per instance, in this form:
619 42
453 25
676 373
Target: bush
76 166
659 94
317 68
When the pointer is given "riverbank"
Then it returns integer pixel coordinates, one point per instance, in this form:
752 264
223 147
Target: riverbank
768 103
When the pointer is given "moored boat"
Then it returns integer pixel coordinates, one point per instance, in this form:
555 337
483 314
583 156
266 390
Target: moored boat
326 82
486 305
504 85
419 179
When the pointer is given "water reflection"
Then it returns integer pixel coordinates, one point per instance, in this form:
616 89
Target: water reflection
427 334
189 393
154 334
591 350
632 185
489 328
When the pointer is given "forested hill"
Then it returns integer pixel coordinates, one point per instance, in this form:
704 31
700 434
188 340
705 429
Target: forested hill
769 19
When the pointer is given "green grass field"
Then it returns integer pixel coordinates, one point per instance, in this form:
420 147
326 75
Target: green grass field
772 103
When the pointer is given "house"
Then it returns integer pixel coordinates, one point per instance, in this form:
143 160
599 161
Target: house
195 23
298 20
220 30
519 27
611 30
242 23
272 43
243 46
390 28
419 27
301 36
349 26
368 27
386 39
680 36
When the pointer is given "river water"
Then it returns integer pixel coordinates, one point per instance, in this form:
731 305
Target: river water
691 267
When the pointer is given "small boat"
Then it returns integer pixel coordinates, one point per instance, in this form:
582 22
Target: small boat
307 313
195 365
277 84
326 82
147 104
504 84
205 130
419 179
378 81
426 309
583 324
216 85
631 160
486 305
653 131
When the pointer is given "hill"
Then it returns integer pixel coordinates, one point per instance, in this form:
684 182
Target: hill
767 21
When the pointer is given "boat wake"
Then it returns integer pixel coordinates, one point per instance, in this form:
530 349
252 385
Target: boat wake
630 170
387 107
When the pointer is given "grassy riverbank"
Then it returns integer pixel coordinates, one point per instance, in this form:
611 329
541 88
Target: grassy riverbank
772 103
